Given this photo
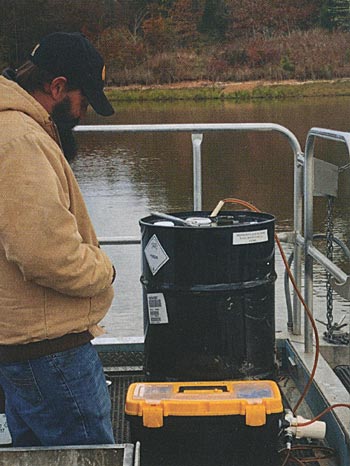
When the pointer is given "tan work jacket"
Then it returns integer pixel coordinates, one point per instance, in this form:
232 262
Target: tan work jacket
54 279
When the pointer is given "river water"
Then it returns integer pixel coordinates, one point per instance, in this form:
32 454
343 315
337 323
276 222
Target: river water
125 177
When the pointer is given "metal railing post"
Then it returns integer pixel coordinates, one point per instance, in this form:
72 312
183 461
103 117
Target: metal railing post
197 171
298 225
308 236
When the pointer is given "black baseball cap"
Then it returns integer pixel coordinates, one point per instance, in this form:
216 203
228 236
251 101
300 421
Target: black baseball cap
72 55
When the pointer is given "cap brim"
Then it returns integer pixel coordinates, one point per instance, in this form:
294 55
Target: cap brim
99 102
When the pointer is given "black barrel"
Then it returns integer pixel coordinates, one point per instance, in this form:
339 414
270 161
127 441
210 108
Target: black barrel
208 292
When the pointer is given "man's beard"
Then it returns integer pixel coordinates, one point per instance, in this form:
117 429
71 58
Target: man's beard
61 115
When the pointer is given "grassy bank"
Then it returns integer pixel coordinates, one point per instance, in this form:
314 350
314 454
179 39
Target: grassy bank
245 91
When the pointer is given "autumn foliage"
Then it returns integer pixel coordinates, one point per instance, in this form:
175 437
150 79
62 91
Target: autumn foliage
161 41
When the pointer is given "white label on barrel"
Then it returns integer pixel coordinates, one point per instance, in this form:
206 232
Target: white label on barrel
157 308
5 436
155 255
250 237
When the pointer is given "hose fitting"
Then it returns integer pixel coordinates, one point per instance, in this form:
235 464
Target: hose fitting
312 430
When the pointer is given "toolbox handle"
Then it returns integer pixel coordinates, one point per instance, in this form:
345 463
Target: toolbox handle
185 388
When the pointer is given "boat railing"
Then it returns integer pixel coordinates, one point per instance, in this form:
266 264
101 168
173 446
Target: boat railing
302 179
341 281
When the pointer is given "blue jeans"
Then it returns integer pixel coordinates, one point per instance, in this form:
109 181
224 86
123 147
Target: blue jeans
60 399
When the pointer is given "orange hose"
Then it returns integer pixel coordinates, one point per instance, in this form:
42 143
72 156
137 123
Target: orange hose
327 453
313 324
293 459
330 408
286 459
308 311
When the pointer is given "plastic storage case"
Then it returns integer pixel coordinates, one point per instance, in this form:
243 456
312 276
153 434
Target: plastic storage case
215 418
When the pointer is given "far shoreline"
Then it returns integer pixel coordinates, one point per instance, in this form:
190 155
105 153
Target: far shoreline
236 91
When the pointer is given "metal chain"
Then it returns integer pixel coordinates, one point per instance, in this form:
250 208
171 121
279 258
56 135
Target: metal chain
329 233
334 334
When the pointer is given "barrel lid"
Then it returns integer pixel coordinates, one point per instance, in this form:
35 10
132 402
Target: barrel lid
226 219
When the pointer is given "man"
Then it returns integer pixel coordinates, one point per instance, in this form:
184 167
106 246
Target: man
55 281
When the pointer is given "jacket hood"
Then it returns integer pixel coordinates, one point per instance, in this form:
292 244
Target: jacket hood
13 97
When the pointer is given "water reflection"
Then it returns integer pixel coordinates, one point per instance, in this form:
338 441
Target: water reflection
124 177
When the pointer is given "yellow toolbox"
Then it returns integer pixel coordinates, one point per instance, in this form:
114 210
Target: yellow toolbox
228 415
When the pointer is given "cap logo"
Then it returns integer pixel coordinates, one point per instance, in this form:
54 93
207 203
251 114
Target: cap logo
103 74
35 49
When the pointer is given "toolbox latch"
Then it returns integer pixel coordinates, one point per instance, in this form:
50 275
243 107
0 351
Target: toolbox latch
152 416
255 415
